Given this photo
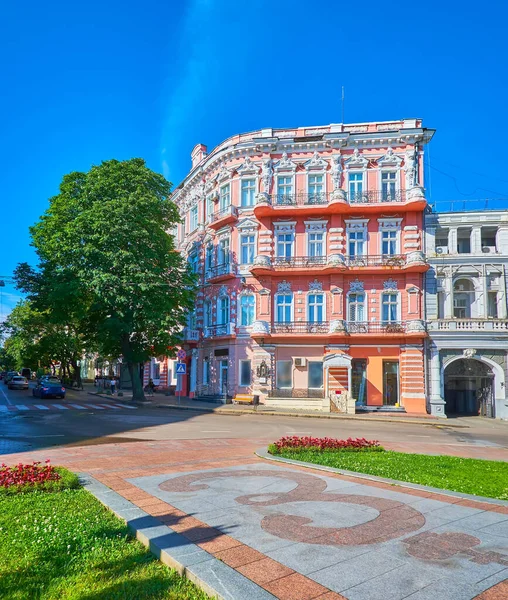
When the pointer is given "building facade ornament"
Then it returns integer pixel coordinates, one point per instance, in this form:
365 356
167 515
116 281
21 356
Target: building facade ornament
390 284
267 175
416 326
223 174
416 257
262 260
389 159
316 163
261 327
223 291
356 160
337 326
248 167
336 171
285 164
356 286
284 287
336 260
469 352
410 169
315 286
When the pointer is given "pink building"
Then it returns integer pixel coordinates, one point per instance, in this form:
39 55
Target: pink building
308 244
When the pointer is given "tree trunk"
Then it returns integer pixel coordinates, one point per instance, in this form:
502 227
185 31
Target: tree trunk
77 372
137 385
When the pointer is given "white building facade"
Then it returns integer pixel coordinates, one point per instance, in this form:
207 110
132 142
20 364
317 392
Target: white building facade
467 313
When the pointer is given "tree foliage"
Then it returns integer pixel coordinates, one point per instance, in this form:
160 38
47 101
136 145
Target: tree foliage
108 265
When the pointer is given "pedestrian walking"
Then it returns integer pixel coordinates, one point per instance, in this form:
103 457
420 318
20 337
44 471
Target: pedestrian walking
113 384
151 387
96 381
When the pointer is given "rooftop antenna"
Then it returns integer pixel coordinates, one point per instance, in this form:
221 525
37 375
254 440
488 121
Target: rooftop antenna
342 104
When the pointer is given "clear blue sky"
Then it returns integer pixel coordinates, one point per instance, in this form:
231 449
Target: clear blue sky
86 81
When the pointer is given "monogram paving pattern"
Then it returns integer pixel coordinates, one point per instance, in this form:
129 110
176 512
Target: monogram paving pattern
350 538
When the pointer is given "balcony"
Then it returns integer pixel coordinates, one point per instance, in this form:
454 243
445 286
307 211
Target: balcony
468 325
215 331
190 335
221 272
339 201
339 327
222 217
413 261
299 262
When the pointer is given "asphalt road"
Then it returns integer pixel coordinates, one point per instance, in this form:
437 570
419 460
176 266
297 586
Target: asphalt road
33 429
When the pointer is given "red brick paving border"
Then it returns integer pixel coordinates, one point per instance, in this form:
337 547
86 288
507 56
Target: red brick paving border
497 592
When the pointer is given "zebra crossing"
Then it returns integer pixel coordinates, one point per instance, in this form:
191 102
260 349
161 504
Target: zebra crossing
61 407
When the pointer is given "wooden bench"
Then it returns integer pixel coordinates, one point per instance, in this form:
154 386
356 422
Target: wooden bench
244 399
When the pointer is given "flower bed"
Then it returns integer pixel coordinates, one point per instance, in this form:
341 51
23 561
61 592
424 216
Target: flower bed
35 476
305 443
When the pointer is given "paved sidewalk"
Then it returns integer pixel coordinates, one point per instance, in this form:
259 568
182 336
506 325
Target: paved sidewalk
299 534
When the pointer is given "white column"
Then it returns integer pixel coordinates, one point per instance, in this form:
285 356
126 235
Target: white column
448 302
430 240
476 240
452 240
485 293
501 301
437 403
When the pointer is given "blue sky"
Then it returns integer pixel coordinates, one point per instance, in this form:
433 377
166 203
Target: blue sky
83 82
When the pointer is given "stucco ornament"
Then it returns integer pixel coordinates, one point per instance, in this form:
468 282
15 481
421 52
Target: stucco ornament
410 169
356 285
263 198
390 284
336 171
261 327
469 352
261 260
337 326
416 326
315 286
415 193
416 256
267 175
284 287
336 260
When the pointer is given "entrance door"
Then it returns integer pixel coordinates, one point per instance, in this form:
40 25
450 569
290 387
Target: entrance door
390 382
486 397
223 376
468 387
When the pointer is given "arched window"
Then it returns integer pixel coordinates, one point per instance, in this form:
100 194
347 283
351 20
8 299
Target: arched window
463 298
223 310
247 304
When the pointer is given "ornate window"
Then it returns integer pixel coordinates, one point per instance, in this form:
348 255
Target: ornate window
223 310
247 309
285 239
389 306
225 197
356 166
284 306
356 306
247 245
193 218
223 257
284 189
248 192
389 168
315 307
389 234
207 313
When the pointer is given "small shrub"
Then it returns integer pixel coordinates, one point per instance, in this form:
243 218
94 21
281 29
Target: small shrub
306 443
27 478
120 394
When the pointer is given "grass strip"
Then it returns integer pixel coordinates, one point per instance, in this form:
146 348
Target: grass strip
467 475
66 545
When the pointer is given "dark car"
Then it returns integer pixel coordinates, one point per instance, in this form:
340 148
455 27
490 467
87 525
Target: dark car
18 383
10 375
48 387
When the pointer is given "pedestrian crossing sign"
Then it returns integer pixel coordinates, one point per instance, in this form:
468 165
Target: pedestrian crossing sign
181 368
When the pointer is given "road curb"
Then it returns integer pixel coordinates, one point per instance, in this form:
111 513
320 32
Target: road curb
214 577
233 412
263 453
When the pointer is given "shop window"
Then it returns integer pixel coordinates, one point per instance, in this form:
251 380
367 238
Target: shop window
245 373
390 382
359 380
284 373
315 374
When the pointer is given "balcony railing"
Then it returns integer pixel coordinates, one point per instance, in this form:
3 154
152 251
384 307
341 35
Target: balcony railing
320 198
295 262
376 326
219 330
221 214
297 393
227 268
301 327
469 325
191 335
381 260
376 196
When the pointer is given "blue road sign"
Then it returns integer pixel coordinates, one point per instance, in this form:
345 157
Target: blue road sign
181 368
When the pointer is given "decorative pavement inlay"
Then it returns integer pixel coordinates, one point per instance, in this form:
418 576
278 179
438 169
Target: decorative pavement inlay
352 538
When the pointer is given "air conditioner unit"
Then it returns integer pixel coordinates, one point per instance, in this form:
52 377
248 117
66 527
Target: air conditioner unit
300 361
489 249
441 249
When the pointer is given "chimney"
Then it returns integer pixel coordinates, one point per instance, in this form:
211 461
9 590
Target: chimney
198 154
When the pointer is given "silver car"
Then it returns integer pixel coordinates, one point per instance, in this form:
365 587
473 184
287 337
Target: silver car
18 383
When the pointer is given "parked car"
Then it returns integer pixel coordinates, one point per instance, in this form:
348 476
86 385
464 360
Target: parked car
18 383
10 375
48 387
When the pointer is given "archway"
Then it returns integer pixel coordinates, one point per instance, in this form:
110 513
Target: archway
469 388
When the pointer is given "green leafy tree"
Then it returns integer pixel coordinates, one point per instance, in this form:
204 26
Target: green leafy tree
108 264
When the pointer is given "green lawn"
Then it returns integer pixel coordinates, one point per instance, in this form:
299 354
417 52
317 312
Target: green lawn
66 545
481 477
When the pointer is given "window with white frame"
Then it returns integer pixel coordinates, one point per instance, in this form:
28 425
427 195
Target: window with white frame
315 243
315 308
191 319
388 185
315 374
285 244
284 304
356 306
193 218
315 186
355 185
245 373
207 313
248 191
225 197
389 242
283 373
247 304
247 241
223 254
194 262
284 188
206 371
223 310
356 242
209 206
209 254
389 307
